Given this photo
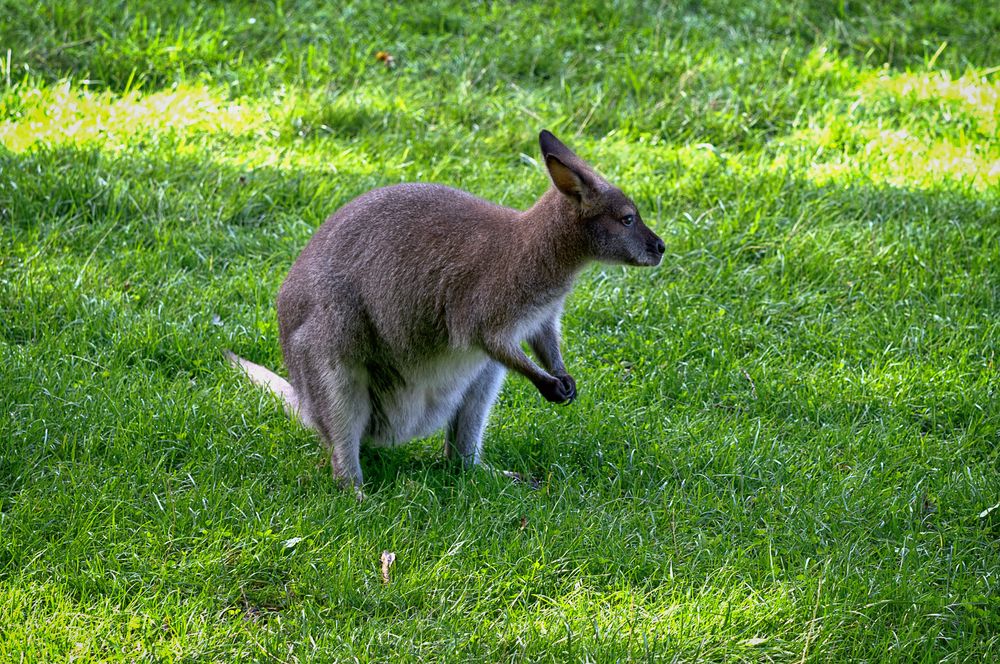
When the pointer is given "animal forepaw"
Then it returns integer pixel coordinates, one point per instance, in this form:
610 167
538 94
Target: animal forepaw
559 389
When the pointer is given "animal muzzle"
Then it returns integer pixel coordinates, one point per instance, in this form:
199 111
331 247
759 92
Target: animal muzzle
654 252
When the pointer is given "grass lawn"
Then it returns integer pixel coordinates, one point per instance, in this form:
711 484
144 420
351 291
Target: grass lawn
786 442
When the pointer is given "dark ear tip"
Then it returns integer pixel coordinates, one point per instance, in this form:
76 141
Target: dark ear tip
545 138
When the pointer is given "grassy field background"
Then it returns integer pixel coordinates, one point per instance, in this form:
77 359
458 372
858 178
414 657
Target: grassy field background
785 446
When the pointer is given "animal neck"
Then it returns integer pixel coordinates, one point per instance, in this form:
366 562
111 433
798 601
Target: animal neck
555 245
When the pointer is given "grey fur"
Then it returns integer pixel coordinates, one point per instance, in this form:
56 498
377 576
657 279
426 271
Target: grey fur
407 307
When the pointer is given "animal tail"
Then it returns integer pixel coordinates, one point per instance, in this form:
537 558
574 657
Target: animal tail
264 377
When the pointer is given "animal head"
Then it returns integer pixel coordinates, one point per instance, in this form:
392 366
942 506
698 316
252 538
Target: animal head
612 224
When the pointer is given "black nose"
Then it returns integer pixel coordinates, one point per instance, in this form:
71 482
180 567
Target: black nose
660 247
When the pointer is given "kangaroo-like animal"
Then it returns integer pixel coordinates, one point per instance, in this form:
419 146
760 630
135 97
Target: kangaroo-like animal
407 307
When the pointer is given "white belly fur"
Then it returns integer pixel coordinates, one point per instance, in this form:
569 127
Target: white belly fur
433 391
428 398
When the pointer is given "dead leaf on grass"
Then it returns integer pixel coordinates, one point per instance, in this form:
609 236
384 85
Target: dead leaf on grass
388 558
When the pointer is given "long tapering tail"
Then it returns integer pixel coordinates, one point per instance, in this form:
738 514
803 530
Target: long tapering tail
264 377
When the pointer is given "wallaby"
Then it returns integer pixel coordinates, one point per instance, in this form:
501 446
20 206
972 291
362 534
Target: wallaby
407 307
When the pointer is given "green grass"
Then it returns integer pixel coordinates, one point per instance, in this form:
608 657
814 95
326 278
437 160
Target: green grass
786 443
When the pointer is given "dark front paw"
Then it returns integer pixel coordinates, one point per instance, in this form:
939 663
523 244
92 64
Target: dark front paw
558 389
569 385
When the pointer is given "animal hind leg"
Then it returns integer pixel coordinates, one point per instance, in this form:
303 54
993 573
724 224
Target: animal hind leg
464 435
339 408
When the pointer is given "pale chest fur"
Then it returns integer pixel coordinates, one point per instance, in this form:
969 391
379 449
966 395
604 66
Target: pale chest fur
426 396
534 319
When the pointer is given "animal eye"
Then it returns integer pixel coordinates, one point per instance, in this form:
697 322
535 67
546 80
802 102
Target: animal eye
628 219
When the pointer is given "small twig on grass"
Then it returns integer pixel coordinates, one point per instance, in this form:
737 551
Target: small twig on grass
753 387
79 277
812 623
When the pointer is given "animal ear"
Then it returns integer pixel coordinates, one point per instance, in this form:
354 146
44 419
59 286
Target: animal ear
566 169
567 180
552 145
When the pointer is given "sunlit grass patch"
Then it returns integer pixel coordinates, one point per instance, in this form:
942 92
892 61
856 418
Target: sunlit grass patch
921 130
901 158
293 129
972 93
68 114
